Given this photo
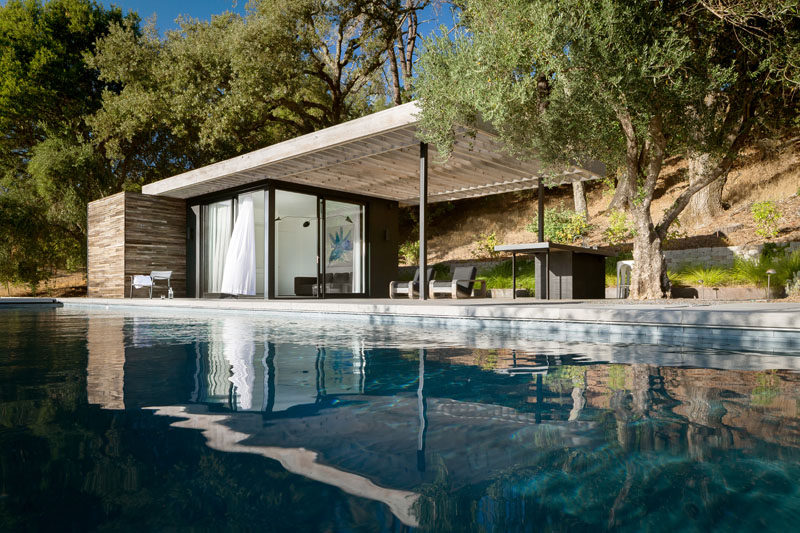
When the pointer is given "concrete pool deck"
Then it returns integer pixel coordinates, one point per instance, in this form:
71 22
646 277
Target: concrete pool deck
771 316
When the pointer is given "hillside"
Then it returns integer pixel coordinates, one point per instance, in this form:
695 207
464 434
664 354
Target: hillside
761 174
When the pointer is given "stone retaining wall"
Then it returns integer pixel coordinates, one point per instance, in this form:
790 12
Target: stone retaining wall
721 256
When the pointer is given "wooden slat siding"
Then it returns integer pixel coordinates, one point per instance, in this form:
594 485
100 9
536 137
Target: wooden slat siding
106 247
155 239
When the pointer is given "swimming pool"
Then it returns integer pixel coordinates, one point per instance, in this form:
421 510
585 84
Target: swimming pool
126 419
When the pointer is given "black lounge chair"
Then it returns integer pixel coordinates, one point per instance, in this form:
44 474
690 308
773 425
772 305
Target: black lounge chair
409 288
464 278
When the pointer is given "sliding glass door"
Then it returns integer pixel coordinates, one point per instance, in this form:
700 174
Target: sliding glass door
233 246
217 229
296 245
318 246
342 232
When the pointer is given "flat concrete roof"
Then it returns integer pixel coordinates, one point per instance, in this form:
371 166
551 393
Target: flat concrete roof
378 155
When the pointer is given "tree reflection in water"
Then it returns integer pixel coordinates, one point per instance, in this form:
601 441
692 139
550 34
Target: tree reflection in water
542 435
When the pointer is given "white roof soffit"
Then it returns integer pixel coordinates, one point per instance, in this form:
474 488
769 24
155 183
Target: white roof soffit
378 155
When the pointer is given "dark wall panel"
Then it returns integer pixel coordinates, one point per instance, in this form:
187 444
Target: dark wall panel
383 242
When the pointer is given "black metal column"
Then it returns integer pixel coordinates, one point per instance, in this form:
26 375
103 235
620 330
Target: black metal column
540 190
423 212
541 262
513 275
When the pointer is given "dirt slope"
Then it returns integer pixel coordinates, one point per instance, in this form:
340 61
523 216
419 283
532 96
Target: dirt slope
761 174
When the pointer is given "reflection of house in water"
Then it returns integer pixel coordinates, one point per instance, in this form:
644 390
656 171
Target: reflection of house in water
381 423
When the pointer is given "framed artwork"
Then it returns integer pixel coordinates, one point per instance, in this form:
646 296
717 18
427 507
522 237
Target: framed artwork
340 246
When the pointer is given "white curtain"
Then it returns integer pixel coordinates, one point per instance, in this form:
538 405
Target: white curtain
239 275
218 234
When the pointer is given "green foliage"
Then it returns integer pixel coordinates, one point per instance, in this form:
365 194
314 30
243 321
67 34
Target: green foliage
625 82
484 246
49 168
409 252
214 89
702 275
767 389
563 378
620 228
499 276
561 225
755 271
766 216
617 376
30 248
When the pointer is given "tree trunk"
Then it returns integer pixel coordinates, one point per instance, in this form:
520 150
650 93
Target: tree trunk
579 195
623 194
649 277
707 202
397 96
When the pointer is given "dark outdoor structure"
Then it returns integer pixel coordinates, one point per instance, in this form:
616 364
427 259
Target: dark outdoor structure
311 217
562 272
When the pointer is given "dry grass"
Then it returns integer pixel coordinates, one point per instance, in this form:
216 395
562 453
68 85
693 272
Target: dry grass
762 174
61 285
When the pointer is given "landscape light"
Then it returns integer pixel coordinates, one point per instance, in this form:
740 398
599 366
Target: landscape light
770 272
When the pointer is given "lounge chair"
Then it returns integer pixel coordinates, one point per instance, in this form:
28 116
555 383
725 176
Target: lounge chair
408 288
149 281
464 277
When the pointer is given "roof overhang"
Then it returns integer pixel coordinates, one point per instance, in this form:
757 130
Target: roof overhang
378 155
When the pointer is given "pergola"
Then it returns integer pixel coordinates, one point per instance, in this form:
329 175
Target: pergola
380 155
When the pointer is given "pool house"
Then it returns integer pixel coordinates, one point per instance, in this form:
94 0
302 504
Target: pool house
312 217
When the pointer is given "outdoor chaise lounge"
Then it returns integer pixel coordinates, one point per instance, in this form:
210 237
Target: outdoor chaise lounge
149 281
464 277
409 288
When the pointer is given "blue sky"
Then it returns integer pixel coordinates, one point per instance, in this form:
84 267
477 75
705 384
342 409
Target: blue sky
167 11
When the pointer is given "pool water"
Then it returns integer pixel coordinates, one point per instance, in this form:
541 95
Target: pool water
116 420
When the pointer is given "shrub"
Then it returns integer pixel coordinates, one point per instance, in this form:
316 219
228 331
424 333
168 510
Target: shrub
409 252
755 270
484 246
499 276
702 275
620 228
561 225
766 216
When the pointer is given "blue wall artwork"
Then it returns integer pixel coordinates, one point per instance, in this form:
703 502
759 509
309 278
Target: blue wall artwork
340 244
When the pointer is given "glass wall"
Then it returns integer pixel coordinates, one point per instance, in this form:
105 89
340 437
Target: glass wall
259 228
319 246
343 237
296 245
217 228
233 246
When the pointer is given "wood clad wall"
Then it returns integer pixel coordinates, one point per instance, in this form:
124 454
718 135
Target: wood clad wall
155 239
106 247
132 233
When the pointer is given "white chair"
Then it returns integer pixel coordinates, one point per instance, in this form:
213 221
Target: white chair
142 281
624 272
